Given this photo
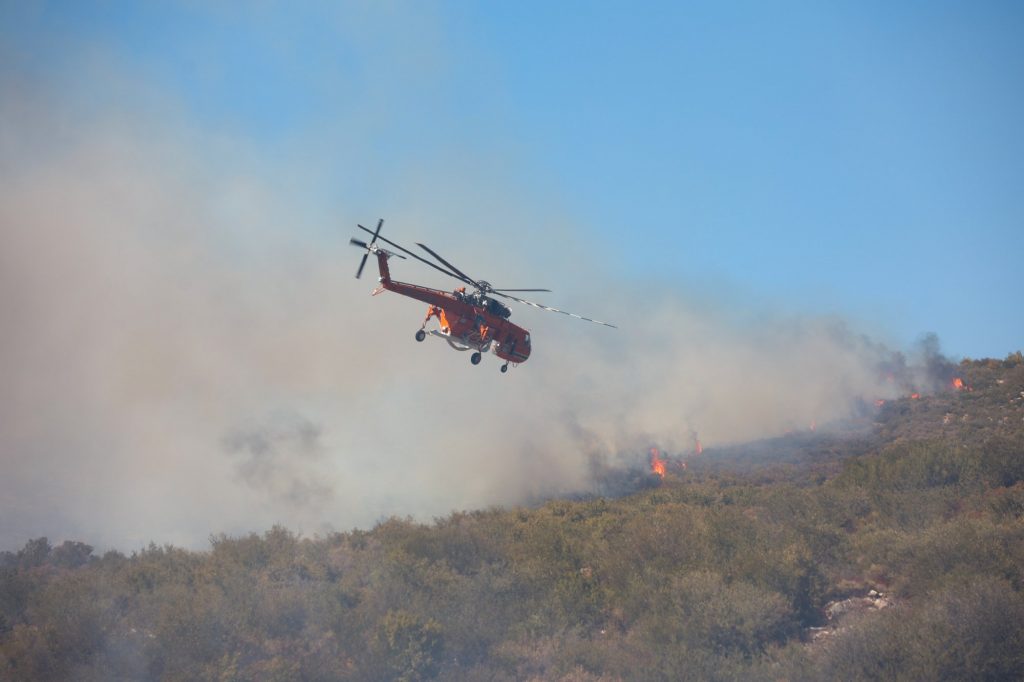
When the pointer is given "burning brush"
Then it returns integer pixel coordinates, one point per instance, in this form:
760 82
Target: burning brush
660 463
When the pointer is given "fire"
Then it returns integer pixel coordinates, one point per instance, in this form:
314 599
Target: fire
879 402
814 425
657 463
698 448
915 396
958 383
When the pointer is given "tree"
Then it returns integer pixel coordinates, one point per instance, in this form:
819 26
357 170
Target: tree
411 648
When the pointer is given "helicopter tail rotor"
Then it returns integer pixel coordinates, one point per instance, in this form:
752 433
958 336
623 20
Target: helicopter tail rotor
368 247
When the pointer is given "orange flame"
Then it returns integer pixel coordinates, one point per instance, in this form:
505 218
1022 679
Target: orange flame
698 448
657 463
879 402
958 383
915 396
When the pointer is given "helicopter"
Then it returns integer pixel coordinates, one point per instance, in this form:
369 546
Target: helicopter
467 320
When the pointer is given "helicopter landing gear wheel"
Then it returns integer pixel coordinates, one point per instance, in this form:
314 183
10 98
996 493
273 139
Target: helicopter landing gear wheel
475 358
504 368
420 335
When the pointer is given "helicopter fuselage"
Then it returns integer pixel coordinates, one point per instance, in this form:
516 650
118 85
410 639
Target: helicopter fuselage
467 321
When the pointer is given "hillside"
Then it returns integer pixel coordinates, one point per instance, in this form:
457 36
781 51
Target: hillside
889 547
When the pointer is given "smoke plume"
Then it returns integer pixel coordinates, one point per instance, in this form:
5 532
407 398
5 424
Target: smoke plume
185 351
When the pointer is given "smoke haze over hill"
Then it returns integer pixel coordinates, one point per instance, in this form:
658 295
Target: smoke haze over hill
184 349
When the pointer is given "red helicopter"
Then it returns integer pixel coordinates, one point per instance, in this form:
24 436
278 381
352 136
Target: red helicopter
467 321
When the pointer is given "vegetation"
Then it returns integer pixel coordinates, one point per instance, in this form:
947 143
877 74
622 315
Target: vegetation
718 573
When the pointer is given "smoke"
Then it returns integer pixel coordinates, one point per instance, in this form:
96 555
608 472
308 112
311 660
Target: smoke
184 350
279 458
927 370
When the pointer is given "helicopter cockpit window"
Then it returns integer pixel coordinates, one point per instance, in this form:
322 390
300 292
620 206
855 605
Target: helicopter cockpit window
498 309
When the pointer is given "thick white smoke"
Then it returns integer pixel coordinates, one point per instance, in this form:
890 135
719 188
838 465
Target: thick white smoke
184 350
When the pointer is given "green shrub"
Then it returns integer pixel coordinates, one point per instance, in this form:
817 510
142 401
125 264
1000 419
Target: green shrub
971 630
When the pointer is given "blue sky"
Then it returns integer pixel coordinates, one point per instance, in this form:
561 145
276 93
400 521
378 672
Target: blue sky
858 159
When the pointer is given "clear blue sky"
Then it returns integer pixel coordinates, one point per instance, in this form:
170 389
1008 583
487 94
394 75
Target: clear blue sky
863 158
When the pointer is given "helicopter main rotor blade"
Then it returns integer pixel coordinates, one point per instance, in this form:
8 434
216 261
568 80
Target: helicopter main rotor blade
466 278
500 290
417 257
555 310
